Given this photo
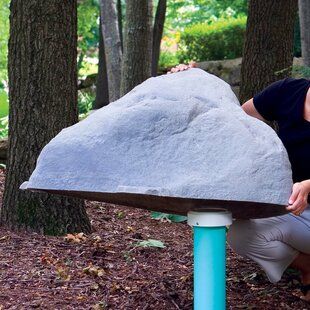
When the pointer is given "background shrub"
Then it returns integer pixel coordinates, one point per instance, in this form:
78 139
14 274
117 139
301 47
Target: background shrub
301 72
221 39
167 59
85 103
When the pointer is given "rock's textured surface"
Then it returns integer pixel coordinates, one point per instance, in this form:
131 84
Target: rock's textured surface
180 135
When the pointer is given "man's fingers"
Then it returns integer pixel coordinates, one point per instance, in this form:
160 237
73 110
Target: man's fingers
299 206
183 67
294 195
296 205
180 67
298 200
192 64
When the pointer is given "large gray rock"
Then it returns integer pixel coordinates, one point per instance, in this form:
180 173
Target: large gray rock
178 135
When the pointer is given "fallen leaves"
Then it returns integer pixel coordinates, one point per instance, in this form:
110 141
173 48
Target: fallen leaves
48 272
63 273
76 238
100 306
4 238
94 271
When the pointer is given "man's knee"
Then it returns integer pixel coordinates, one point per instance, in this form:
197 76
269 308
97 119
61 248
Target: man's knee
238 238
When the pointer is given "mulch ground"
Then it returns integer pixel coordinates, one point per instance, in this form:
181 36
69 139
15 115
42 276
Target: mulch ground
107 270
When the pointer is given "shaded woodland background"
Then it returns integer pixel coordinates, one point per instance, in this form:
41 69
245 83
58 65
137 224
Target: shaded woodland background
61 59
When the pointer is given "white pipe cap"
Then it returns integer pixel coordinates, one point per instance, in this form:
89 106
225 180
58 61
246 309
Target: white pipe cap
209 218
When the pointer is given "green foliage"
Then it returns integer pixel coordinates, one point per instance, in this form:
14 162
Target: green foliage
85 103
4 35
4 111
168 217
4 127
88 29
128 257
120 215
150 243
301 72
167 59
88 67
222 39
4 103
183 13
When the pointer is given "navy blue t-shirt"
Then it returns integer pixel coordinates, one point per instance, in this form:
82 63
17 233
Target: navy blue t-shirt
283 101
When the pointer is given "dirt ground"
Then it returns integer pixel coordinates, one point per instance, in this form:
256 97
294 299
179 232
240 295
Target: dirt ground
107 270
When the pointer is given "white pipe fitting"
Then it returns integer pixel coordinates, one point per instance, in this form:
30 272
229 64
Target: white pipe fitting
211 218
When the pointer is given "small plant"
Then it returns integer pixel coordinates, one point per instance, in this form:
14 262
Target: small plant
85 104
128 257
168 217
120 215
150 243
301 72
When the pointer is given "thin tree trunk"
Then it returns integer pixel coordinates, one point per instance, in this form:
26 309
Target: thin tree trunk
137 57
304 16
112 45
158 33
43 100
120 21
102 88
268 49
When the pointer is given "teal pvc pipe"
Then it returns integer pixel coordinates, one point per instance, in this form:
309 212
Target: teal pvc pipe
209 268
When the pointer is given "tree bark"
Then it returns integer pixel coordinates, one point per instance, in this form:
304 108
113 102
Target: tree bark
158 33
304 17
137 56
112 44
43 100
268 48
120 21
102 88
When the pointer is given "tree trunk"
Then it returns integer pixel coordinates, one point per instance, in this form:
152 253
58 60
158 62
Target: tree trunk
112 45
43 100
268 48
158 33
120 21
137 57
102 88
304 16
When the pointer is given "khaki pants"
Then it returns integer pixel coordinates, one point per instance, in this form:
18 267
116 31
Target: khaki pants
273 242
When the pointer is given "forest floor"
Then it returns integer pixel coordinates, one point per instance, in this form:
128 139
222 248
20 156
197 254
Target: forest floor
107 270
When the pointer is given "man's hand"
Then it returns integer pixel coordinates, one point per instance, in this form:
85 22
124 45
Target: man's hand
182 67
298 200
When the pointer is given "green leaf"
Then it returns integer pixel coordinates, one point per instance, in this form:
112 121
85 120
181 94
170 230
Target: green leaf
168 217
150 243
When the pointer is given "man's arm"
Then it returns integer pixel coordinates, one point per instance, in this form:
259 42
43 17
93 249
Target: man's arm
250 109
298 200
